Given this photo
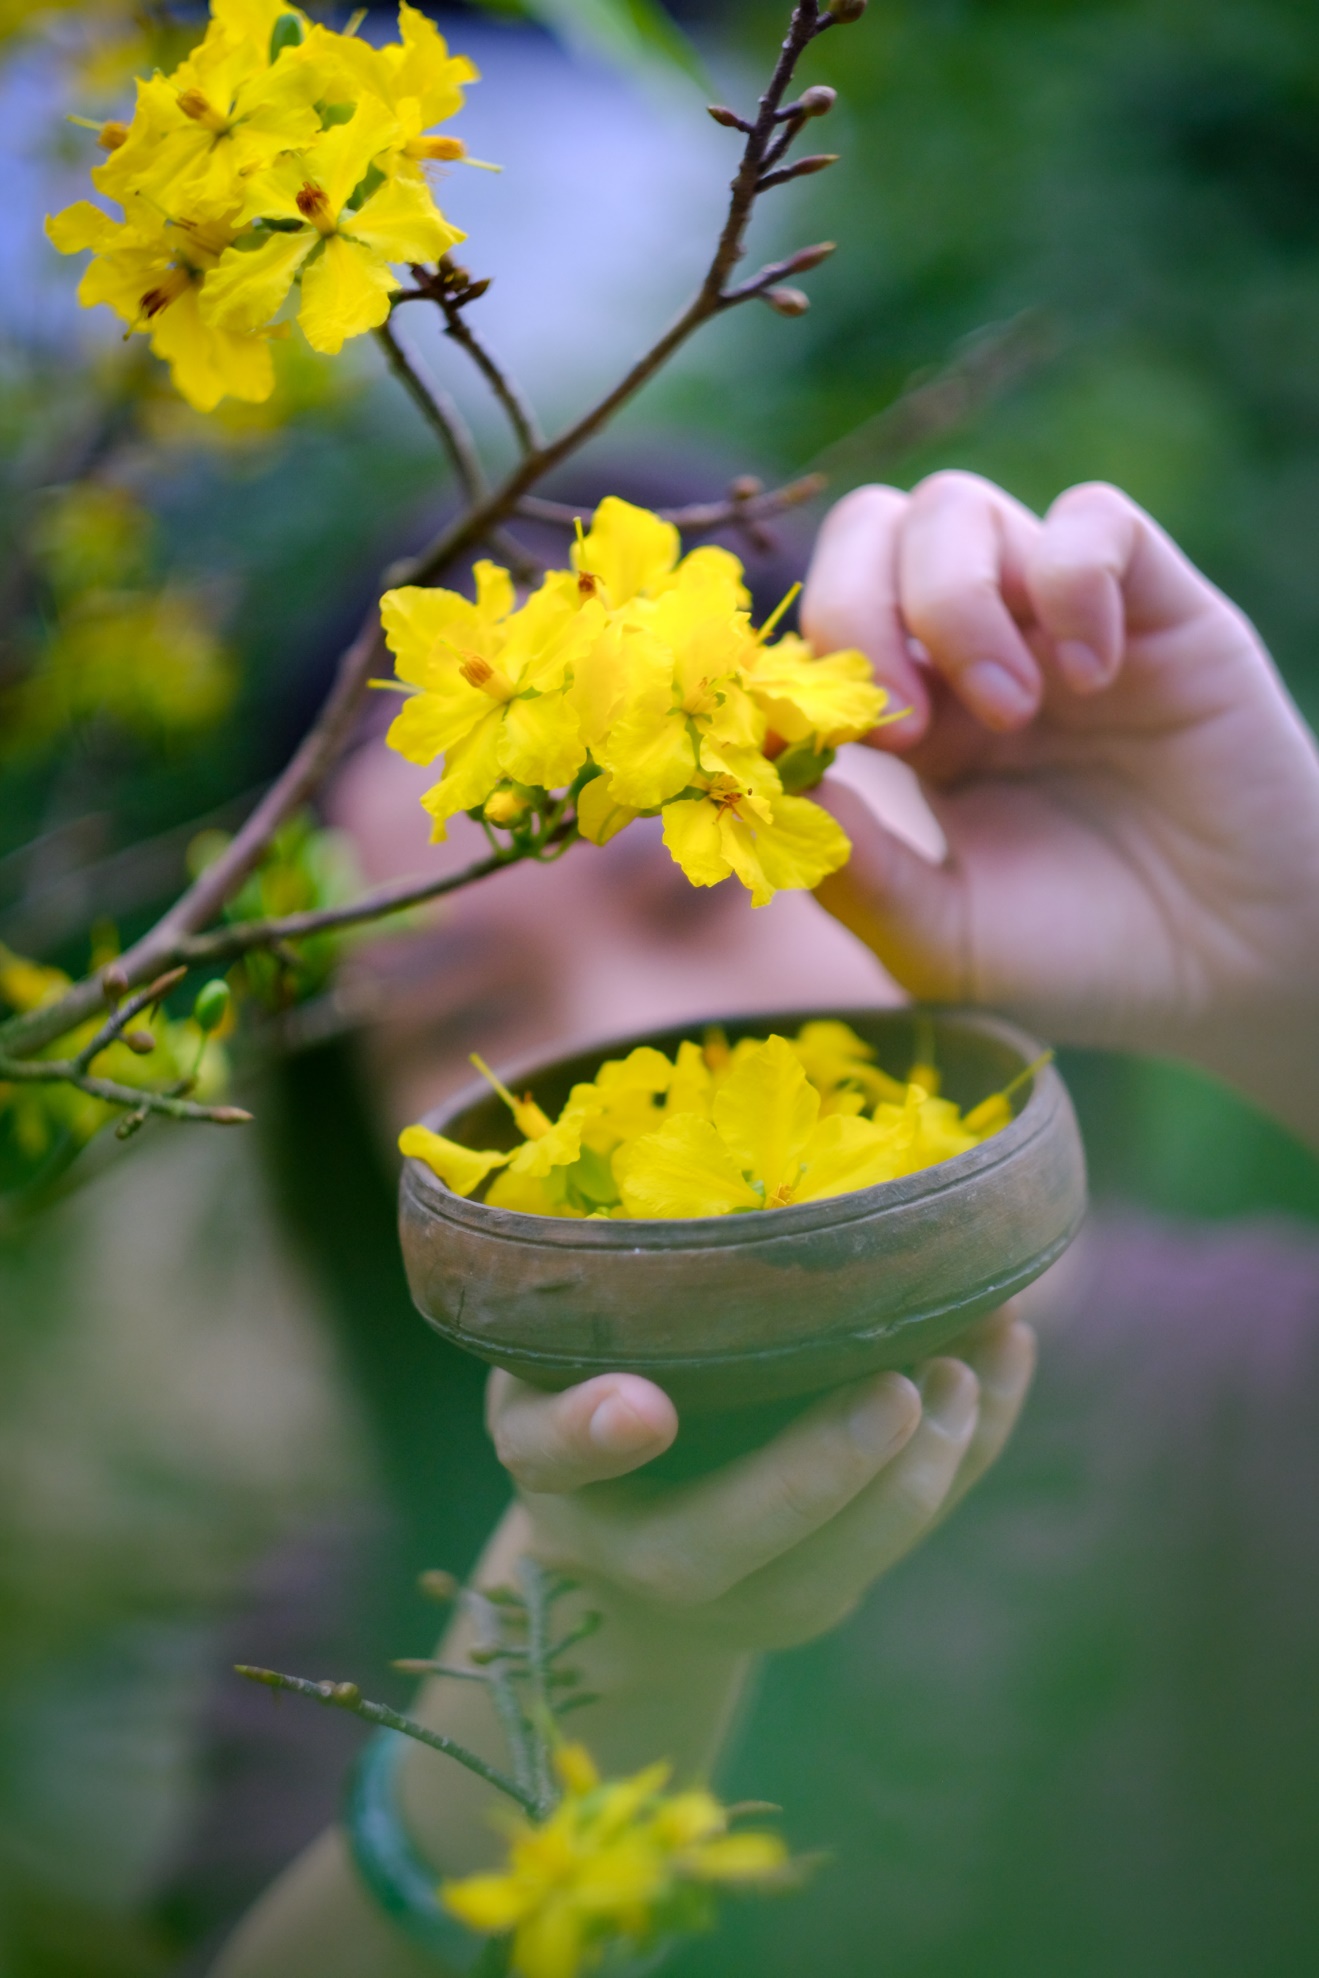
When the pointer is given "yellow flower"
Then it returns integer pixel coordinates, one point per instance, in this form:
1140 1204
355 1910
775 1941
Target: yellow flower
770 840
343 252
148 661
491 687
763 1146
822 701
605 1867
227 111
415 77
150 271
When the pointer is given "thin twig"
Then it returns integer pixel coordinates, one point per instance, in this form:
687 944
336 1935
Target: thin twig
521 416
696 518
347 1696
120 1018
66 1071
709 301
439 411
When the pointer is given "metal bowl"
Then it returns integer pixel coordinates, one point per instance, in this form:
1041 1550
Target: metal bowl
730 1311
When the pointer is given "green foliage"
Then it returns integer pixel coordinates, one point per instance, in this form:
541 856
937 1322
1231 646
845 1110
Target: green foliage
637 34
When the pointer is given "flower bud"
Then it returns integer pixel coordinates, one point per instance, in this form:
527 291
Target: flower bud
347 1695
723 115
787 301
286 33
818 100
114 983
212 1005
746 487
847 11
505 808
141 1042
436 1584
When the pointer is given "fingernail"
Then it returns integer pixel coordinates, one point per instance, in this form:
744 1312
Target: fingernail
1081 667
877 1420
618 1428
998 696
950 1397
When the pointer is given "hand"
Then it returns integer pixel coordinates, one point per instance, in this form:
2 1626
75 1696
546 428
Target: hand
1129 798
781 1544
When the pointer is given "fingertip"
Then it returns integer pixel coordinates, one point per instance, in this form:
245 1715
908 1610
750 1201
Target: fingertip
950 1396
1004 698
633 1418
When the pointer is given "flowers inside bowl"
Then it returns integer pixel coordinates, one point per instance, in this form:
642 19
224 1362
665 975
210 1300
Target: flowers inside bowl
714 1129
787 1216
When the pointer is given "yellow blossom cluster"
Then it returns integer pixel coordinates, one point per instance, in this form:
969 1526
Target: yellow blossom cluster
617 1862
718 1131
277 153
37 1121
632 684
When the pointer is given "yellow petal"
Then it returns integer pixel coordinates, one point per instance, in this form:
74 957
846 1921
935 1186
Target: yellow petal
600 816
684 1169
471 771
83 225
649 754
845 1153
401 222
247 290
694 842
493 1903
428 724
460 1168
528 1195
339 158
576 1768
207 364
801 846
628 549
833 700
737 1858
541 742
765 1114
549 1944
345 293
691 1089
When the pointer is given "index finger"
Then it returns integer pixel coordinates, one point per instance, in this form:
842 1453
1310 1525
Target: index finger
851 599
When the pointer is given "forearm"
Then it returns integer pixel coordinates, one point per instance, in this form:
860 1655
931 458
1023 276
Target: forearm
661 1695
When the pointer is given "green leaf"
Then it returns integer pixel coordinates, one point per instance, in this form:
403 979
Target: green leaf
636 34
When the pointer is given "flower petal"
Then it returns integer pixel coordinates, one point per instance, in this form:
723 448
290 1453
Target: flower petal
460 1168
765 1114
345 293
247 290
684 1169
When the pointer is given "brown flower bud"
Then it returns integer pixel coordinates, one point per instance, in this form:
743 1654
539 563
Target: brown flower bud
788 301
745 487
818 100
114 983
847 11
728 118
140 1041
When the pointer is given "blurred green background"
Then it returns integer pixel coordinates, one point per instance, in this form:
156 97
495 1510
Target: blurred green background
1105 218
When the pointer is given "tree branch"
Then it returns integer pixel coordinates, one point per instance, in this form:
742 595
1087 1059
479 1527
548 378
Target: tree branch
170 939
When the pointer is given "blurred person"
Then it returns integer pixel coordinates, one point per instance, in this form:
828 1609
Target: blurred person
1131 809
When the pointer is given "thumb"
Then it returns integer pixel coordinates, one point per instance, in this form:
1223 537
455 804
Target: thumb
908 911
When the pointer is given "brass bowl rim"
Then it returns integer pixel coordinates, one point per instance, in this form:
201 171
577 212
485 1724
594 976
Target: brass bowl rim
638 1234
